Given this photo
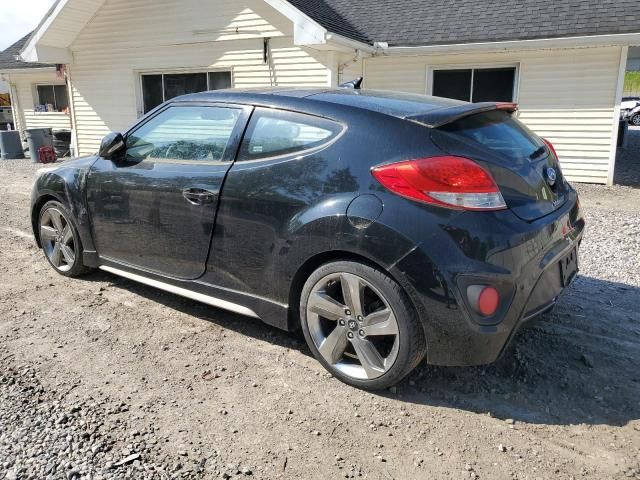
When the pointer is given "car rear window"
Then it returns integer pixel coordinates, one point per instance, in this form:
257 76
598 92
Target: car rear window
501 132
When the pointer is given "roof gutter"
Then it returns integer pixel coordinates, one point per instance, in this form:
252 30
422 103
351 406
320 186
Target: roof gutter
622 39
336 39
26 70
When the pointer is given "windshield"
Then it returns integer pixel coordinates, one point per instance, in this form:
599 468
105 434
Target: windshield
499 131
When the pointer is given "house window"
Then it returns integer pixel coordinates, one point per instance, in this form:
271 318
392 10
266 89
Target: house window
160 87
52 98
475 84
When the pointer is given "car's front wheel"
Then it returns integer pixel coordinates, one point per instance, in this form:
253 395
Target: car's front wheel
360 325
635 120
60 240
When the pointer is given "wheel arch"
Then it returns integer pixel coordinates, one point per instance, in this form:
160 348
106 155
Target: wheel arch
35 213
66 185
316 261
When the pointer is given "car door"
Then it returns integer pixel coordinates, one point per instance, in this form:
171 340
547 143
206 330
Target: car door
155 208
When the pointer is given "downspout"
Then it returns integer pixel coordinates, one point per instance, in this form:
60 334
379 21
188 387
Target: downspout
268 60
357 57
72 112
379 48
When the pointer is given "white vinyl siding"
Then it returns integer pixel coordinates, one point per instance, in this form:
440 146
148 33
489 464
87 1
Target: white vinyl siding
565 95
25 84
126 39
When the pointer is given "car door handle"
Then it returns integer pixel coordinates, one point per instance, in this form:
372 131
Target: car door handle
199 196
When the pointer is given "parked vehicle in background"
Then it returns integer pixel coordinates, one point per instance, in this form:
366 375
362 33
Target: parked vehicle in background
633 115
627 105
389 227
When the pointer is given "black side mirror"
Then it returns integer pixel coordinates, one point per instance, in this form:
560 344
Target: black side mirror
112 146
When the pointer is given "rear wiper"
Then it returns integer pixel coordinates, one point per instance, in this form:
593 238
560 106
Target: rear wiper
538 152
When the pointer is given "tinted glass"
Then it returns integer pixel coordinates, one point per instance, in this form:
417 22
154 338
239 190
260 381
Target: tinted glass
46 95
53 98
62 98
272 133
500 132
219 80
452 84
493 84
183 83
151 91
184 134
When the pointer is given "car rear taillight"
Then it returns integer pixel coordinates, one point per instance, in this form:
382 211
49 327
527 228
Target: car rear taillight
551 147
453 182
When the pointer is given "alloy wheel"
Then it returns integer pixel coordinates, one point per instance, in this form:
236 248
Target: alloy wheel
352 326
57 239
635 120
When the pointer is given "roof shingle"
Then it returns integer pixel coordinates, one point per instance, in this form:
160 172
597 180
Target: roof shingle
8 59
439 22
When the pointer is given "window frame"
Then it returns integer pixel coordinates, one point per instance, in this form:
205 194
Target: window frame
173 71
243 156
473 67
234 140
36 96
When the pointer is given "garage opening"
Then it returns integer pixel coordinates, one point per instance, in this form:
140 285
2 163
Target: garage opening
627 165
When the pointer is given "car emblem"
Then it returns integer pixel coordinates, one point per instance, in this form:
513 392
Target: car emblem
551 176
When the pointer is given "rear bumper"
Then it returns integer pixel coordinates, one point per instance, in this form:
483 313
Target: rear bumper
521 259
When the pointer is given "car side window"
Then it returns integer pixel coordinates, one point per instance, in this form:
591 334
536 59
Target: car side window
272 133
184 133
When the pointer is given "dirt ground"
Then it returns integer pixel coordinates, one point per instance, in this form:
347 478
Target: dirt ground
215 394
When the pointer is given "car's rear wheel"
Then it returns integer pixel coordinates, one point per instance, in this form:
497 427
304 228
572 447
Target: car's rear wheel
60 240
360 325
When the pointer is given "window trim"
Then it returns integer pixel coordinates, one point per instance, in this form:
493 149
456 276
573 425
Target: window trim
473 67
297 154
172 71
36 96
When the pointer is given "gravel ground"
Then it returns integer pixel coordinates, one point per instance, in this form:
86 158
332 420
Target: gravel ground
104 378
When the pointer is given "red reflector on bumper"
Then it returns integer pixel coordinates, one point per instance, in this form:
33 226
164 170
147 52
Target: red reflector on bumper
484 299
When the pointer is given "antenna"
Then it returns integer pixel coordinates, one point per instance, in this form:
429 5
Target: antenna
353 84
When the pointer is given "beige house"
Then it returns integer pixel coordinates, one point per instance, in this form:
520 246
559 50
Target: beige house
39 93
563 64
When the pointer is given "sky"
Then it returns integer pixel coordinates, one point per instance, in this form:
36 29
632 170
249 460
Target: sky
19 17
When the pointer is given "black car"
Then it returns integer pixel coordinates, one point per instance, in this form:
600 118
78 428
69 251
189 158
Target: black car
388 227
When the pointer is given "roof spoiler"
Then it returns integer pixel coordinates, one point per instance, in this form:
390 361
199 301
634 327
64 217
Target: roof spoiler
442 116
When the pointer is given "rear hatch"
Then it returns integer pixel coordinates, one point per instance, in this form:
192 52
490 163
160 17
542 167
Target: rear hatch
523 166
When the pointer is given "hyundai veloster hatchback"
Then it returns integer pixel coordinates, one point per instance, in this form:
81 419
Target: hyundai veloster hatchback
389 227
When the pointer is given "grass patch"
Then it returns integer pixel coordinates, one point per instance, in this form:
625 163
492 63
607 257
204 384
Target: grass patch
632 84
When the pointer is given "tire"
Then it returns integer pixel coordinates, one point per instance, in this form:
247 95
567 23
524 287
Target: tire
340 330
62 248
635 120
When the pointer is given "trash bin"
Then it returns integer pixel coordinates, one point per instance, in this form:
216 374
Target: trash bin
38 138
10 145
62 142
